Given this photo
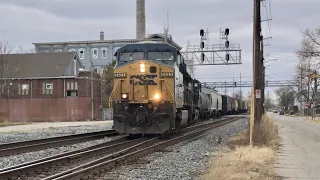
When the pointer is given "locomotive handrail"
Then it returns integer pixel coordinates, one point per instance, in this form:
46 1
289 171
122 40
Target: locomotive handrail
112 93
168 88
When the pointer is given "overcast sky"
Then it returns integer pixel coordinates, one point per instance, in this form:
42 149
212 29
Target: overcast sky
28 21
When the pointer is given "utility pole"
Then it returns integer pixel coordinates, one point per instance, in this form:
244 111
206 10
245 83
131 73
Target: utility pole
301 108
262 75
257 64
315 99
91 87
240 88
233 87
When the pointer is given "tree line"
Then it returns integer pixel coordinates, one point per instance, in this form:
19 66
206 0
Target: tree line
306 72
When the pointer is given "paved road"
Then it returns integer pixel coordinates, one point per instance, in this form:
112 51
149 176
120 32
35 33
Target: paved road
299 158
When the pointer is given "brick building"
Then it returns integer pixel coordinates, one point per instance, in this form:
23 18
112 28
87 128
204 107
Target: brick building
47 87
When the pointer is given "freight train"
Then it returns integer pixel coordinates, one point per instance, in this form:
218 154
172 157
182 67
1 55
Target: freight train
155 92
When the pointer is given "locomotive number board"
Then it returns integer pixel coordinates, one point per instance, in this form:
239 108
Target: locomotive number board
166 74
120 75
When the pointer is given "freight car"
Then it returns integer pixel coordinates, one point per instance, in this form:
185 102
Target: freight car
154 92
215 101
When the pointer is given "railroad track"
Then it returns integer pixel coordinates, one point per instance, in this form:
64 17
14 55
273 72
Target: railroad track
39 144
95 159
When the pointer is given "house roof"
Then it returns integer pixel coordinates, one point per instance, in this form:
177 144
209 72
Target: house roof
37 65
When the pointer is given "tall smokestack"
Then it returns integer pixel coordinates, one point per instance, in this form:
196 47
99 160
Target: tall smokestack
141 19
101 35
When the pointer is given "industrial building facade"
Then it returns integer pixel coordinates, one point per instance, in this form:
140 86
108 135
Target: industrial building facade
100 52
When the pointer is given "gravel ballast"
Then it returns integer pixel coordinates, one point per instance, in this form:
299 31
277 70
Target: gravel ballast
185 160
51 132
8 161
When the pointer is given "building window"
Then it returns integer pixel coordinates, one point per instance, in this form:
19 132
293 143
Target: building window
72 93
58 50
72 50
47 88
104 53
81 53
23 89
95 53
72 88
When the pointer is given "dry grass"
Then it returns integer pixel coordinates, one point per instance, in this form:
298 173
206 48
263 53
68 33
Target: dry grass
241 161
7 123
310 119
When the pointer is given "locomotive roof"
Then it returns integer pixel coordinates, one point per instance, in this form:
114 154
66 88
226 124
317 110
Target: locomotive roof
147 46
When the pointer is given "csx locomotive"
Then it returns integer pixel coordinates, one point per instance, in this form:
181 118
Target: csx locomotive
154 91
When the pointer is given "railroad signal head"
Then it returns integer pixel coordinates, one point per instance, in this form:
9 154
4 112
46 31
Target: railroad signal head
227 44
202 57
226 32
201 32
202 45
227 57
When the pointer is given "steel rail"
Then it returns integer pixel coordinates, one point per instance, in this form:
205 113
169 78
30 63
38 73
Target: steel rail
19 171
38 144
134 152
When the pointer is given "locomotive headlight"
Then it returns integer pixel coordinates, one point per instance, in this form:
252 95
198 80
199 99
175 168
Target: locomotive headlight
124 96
157 96
142 68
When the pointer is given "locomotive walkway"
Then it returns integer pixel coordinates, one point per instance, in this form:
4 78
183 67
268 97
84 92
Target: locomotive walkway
299 156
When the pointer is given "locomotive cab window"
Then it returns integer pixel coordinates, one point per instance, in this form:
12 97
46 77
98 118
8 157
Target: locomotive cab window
131 56
161 56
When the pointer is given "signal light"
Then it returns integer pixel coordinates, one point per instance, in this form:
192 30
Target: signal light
226 32
202 45
202 57
227 44
227 57
201 32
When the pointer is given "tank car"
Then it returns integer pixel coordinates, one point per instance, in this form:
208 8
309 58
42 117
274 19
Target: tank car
154 91
236 105
205 105
215 101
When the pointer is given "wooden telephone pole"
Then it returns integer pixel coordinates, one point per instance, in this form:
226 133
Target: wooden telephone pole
257 70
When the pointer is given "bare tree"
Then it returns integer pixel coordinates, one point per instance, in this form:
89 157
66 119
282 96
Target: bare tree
286 96
310 45
237 95
269 103
8 70
309 54
107 83
20 50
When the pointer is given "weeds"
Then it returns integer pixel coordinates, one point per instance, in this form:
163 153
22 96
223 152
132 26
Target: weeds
248 162
7 123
